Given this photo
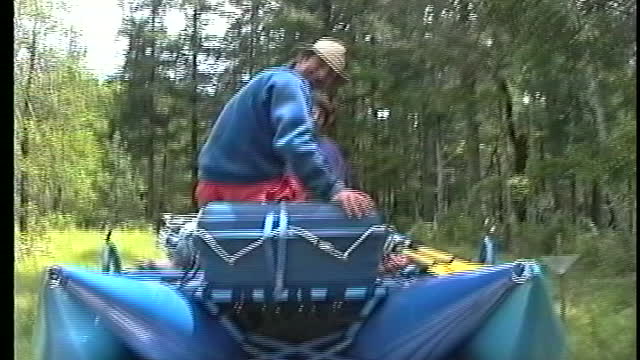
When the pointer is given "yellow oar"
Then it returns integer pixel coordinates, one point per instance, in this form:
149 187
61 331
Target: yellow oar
440 262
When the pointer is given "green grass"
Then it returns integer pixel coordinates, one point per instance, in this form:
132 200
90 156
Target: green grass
601 316
78 247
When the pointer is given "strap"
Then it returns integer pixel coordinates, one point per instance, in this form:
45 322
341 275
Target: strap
199 215
269 221
523 270
281 260
305 297
487 251
111 262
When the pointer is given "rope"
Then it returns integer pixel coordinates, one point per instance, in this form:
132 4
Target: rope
528 271
325 246
328 247
224 255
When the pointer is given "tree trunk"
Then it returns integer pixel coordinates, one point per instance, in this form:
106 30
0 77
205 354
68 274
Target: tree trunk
499 198
152 116
472 148
27 110
632 210
428 180
472 154
613 221
507 167
440 178
519 144
195 48
326 16
507 203
596 204
162 201
253 35
23 195
574 201
599 119
151 190
598 109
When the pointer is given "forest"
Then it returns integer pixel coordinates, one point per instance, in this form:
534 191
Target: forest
460 115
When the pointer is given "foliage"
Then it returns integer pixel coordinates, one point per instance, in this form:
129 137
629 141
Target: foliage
72 168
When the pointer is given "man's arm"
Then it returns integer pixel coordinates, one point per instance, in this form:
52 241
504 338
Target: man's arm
294 137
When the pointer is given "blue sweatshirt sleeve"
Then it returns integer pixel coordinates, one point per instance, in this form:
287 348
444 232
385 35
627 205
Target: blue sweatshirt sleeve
294 135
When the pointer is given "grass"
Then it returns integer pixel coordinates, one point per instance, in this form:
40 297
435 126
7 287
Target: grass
601 316
79 247
601 308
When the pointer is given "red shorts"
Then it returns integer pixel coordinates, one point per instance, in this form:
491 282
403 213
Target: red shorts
287 188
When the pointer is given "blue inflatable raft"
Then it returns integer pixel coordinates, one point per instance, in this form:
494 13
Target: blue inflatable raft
274 263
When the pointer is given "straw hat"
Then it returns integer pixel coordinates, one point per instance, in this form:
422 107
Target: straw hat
333 52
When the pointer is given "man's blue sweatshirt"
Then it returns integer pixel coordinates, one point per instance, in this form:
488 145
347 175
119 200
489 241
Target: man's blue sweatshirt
266 126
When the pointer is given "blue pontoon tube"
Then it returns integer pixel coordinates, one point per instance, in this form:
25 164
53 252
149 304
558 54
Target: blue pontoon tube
90 315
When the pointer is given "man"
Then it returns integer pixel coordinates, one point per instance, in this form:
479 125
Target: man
267 127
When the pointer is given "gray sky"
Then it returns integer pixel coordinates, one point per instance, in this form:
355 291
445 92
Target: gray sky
99 21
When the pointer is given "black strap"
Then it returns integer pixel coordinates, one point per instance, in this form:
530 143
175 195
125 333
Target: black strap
111 262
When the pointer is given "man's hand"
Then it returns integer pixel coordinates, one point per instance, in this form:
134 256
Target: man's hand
355 203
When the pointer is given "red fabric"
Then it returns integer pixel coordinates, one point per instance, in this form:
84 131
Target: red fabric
394 262
287 188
